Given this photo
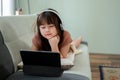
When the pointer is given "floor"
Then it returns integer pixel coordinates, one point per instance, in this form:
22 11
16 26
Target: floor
97 59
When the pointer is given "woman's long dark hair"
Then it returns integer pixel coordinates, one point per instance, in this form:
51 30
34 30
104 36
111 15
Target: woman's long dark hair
50 18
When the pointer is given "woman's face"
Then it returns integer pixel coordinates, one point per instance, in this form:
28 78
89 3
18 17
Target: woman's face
48 30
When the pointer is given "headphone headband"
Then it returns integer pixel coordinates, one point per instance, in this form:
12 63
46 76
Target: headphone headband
49 10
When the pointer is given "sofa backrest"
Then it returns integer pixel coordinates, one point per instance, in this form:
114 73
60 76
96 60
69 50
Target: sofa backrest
6 63
17 33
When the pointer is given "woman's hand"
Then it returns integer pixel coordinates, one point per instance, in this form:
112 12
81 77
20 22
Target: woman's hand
54 43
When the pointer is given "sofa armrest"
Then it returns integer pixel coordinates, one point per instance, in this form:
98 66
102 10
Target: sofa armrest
84 42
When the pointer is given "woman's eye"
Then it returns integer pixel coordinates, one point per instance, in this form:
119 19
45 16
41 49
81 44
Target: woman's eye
52 26
42 27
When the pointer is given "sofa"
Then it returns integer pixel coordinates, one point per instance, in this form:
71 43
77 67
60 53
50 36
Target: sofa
16 33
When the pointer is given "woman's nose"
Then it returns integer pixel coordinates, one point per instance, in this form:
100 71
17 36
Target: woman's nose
47 29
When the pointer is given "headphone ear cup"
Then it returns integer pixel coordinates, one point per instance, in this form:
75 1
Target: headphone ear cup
61 27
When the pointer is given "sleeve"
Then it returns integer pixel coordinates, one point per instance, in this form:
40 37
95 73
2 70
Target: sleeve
66 40
36 41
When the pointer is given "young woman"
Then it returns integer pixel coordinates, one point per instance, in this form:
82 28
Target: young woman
50 35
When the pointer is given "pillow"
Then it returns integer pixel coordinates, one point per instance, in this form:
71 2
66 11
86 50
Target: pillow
68 62
6 63
20 65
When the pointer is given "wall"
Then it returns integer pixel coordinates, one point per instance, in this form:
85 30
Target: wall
7 7
98 21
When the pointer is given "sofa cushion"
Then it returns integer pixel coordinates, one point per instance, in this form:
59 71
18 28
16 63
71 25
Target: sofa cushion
6 64
66 76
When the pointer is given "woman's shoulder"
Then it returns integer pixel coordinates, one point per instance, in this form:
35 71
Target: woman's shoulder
66 38
66 33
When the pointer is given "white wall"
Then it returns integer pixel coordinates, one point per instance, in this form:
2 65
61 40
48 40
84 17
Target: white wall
0 8
98 21
8 7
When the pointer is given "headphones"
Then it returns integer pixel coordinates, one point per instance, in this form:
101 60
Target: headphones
53 11
50 10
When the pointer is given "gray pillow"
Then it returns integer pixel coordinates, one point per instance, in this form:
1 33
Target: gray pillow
6 64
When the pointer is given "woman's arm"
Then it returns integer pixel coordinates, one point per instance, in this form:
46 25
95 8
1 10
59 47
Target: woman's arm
65 50
54 43
65 45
